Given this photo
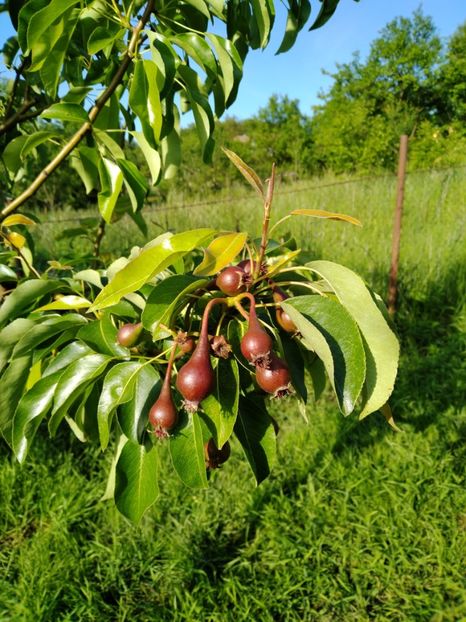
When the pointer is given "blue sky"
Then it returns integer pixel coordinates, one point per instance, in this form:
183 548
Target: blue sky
297 73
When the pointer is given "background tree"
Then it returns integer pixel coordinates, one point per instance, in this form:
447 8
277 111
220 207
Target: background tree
372 102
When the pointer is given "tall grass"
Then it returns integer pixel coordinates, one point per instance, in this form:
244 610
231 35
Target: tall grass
355 524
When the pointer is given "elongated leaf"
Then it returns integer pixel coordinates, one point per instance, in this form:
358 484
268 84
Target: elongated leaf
165 298
118 388
66 303
326 11
203 119
102 37
9 337
152 156
248 173
264 16
148 263
135 183
41 21
380 343
255 431
198 49
136 484
133 414
319 213
220 253
17 219
144 99
32 408
51 69
70 353
187 451
13 382
85 161
24 295
101 336
45 330
72 384
227 65
111 179
329 330
298 15
65 112
221 406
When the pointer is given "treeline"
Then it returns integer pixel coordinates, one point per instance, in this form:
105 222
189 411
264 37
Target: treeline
410 83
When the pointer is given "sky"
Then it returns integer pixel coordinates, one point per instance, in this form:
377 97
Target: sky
298 73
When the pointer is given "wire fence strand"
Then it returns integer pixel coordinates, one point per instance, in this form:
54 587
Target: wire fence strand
252 197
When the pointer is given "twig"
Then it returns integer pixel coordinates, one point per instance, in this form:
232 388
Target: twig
87 125
98 238
265 222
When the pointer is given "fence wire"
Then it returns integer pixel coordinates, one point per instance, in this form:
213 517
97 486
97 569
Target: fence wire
251 197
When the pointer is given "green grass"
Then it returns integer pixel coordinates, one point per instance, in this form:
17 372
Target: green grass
356 523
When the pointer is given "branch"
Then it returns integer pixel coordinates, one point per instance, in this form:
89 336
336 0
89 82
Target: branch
87 125
99 237
17 117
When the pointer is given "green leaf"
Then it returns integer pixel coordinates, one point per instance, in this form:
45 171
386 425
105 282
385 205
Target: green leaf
24 295
298 15
136 485
263 14
328 329
111 179
220 253
32 408
326 11
85 161
9 337
187 451
66 112
70 353
255 431
13 382
45 330
320 213
52 67
66 303
198 49
144 99
170 149
101 336
248 173
150 261
293 356
117 389
103 36
227 65
221 406
133 415
12 153
380 343
152 156
72 384
41 21
135 183
164 300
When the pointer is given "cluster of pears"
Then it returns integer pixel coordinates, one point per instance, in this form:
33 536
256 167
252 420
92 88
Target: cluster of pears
196 378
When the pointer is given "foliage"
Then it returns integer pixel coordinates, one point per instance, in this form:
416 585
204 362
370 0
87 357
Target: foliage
404 86
93 75
63 351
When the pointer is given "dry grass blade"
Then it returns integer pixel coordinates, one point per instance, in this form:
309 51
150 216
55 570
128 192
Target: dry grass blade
247 172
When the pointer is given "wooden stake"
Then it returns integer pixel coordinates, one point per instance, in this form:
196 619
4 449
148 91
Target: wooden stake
396 237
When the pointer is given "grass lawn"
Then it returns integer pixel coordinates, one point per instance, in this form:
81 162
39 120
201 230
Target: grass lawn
356 522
